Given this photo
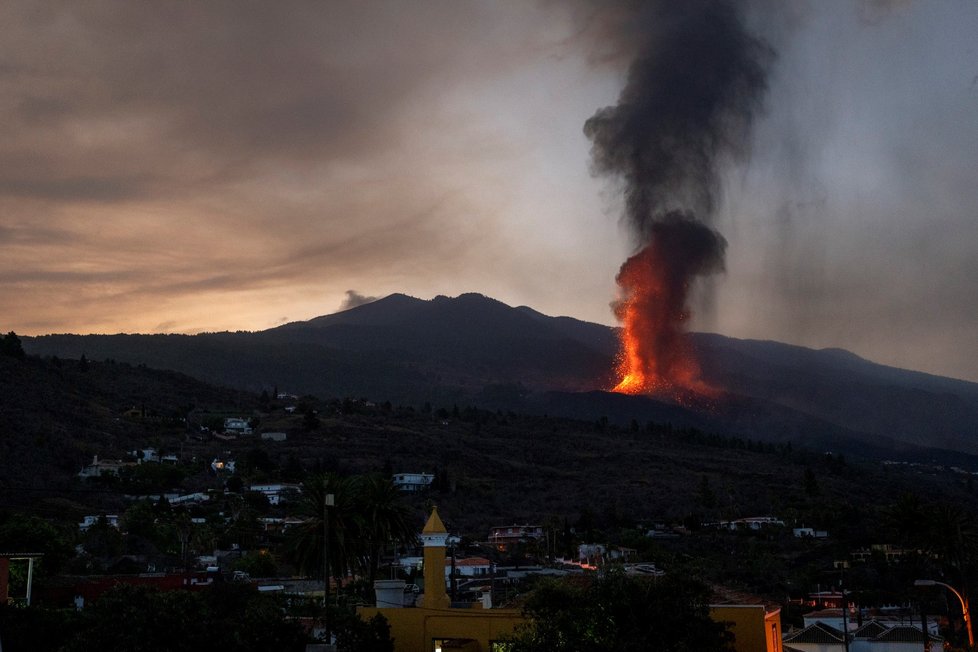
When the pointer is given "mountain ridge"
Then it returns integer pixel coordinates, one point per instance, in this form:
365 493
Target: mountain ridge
474 348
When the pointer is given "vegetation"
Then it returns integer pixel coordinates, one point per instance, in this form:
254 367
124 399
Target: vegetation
232 617
616 613
365 517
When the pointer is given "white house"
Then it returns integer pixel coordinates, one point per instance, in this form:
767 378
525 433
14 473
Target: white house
237 426
89 521
103 467
277 492
145 455
871 637
469 567
413 481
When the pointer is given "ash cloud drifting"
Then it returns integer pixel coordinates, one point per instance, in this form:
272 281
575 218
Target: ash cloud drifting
693 88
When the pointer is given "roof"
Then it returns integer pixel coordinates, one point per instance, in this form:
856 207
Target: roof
818 633
726 596
472 561
434 524
871 629
906 634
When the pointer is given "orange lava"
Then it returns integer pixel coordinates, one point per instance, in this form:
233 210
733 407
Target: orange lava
655 356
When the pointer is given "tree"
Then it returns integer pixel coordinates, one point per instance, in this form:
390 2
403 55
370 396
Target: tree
619 613
306 542
225 617
10 345
353 634
367 515
382 520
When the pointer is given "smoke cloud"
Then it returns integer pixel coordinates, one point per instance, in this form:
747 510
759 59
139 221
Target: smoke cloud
690 98
354 299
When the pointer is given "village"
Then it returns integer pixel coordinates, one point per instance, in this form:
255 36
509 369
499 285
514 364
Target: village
436 589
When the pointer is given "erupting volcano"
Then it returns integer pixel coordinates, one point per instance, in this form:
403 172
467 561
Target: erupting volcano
655 356
691 94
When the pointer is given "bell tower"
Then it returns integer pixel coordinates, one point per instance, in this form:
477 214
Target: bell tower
433 537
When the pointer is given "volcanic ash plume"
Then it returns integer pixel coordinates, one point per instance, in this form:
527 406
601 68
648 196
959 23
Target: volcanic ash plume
689 100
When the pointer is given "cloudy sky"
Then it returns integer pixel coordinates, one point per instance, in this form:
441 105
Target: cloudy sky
180 167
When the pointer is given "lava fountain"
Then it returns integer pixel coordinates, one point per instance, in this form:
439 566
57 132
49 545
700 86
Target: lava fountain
694 83
655 356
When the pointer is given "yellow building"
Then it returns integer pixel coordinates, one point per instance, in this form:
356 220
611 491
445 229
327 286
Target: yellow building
435 626
756 628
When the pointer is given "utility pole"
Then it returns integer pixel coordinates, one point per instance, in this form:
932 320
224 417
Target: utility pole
327 503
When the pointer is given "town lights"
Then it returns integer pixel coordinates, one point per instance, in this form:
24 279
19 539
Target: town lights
964 605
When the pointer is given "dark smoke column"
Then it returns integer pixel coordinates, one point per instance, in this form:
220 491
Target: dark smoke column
692 91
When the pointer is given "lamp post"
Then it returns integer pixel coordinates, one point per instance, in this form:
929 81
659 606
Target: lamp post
328 500
964 605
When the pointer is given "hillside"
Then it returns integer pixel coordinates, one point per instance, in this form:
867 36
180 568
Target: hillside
500 466
473 349
55 415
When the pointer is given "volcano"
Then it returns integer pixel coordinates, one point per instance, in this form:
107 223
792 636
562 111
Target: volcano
475 350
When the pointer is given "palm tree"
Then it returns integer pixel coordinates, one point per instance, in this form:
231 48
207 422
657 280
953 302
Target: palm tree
367 515
306 542
383 520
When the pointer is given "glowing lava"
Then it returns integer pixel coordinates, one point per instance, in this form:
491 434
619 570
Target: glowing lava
656 356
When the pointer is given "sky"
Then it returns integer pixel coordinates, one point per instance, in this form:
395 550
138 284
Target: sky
188 167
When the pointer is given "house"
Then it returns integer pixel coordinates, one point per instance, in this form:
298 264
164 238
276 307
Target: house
505 536
470 567
833 618
237 426
99 468
754 523
145 455
871 637
273 436
413 481
219 466
277 492
818 637
809 533
89 521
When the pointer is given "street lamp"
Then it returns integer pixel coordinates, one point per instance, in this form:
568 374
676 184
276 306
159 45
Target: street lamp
328 501
964 605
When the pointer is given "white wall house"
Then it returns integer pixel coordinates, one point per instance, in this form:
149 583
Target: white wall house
89 521
237 426
413 481
277 492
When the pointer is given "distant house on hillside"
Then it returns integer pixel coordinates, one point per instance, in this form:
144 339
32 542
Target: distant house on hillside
809 533
750 523
504 536
99 468
145 455
237 426
89 521
413 481
274 436
277 492
222 465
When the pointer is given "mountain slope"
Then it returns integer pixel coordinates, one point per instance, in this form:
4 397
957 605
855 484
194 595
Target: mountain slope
474 349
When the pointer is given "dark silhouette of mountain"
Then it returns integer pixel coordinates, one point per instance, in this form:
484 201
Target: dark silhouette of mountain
474 349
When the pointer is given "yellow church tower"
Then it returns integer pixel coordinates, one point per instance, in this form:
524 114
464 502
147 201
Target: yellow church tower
433 536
